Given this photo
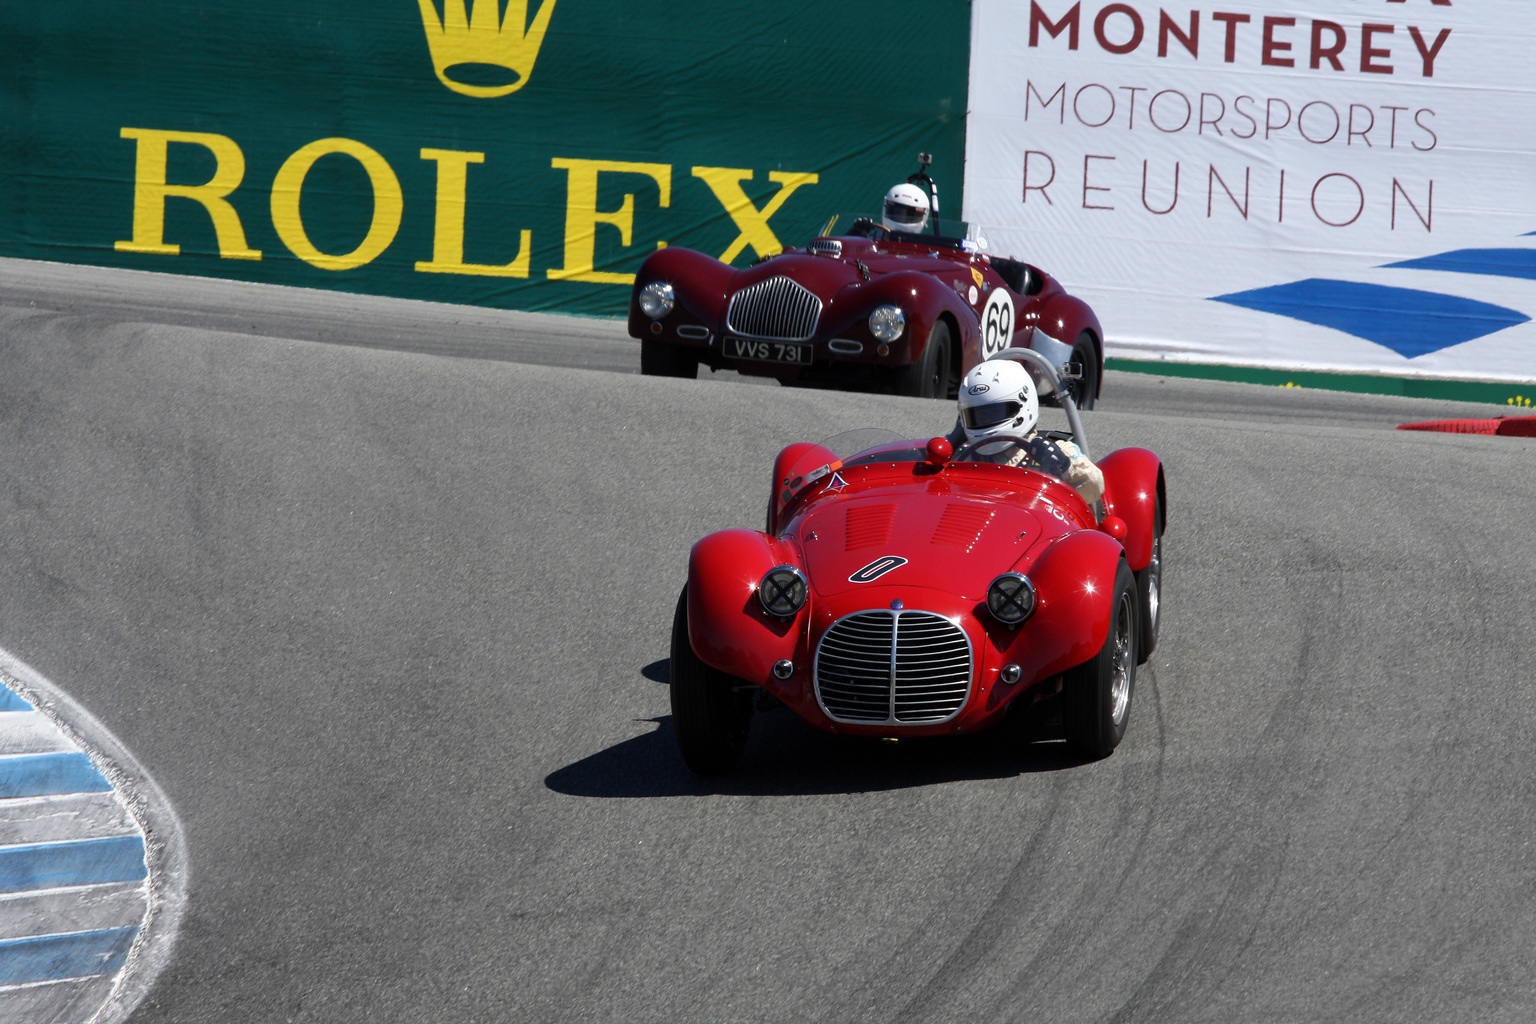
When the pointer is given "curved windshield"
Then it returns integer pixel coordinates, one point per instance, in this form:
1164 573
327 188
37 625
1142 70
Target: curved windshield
1035 452
851 444
871 227
875 444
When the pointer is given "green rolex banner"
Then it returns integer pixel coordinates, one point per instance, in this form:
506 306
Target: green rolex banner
523 154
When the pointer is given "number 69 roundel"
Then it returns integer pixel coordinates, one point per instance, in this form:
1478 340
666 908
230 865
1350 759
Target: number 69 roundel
996 323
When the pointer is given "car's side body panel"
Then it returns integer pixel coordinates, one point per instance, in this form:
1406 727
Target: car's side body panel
1066 318
1133 481
726 623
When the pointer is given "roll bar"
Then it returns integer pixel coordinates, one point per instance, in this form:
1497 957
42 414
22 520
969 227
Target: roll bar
1058 390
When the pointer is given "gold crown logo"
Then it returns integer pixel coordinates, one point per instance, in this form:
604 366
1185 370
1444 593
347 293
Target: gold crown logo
459 39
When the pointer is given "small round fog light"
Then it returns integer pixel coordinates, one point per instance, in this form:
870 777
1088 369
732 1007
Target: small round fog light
784 668
1010 674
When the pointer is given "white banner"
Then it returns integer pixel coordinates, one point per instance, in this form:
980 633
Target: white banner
1342 185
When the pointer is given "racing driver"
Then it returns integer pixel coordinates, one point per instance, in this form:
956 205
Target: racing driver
906 209
998 400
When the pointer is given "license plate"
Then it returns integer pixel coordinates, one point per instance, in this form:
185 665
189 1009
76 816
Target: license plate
770 351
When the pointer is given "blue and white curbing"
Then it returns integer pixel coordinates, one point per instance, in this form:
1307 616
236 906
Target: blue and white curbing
92 862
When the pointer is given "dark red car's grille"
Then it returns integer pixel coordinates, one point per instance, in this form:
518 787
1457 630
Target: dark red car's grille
777 308
904 668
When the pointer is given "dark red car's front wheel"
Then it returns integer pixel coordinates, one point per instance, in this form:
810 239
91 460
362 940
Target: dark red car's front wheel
663 359
933 374
711 711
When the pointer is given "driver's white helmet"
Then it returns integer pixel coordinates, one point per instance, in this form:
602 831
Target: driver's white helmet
906 208
997 398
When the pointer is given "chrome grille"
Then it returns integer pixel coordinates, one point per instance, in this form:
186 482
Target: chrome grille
904 668
777 308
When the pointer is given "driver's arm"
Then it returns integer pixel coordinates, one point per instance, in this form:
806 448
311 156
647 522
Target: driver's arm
1082 475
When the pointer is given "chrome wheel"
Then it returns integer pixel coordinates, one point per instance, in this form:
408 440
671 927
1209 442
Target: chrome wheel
1123 665
1154 581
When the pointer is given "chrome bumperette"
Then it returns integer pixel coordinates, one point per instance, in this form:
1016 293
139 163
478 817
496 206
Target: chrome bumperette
693 332
881 667
846 346
777 309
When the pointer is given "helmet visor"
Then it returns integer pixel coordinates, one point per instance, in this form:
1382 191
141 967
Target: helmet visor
907 216
980 417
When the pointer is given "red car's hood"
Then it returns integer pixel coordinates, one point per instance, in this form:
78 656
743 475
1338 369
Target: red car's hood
952 542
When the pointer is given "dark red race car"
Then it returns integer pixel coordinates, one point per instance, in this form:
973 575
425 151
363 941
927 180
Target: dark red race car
903 588
873 309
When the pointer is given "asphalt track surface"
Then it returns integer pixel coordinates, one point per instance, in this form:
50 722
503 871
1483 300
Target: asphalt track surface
388 626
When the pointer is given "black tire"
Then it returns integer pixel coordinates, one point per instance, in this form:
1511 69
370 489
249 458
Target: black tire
929 377
1149 589
711 711
1085 392
1096 696
660 359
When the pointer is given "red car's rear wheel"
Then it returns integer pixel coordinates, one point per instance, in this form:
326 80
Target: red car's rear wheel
711 711
1149 588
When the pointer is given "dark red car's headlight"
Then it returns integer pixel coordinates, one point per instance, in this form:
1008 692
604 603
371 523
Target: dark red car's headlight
887 322
657 299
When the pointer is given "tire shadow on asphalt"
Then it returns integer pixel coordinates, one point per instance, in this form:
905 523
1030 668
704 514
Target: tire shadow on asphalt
787 757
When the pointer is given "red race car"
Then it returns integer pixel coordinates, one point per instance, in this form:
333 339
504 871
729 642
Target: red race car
875 309
906 588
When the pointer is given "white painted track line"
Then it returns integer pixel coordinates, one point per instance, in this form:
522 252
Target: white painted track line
52 819
28 732
59 1002
75 909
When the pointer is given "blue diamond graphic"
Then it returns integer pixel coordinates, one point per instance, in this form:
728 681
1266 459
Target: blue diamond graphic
1407 321
1489 262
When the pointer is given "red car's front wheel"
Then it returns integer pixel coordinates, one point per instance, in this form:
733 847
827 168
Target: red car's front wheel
1096 696
711 710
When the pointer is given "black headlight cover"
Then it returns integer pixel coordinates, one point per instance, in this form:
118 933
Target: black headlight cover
782 591
1011 598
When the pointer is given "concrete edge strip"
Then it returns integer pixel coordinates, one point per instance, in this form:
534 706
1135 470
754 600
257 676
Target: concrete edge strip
1481 392
164 844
